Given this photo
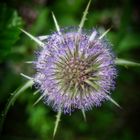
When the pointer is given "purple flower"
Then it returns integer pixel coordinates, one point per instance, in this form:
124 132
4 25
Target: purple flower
75 70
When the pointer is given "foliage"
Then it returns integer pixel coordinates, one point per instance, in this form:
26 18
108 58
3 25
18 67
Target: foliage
9 32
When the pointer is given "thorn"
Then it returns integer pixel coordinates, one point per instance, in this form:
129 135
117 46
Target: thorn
58 116
38 100
84 17
26 76
84 115
113 101
33 38
29 62
104 33
56 24
36 92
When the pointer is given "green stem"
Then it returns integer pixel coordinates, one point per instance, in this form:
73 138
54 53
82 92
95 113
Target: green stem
11 101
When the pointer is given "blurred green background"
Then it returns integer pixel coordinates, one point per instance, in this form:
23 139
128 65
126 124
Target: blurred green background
25 122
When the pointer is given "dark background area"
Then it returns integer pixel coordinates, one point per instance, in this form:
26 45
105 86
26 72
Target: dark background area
25 122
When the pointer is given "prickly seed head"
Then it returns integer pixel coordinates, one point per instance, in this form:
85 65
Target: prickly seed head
75 70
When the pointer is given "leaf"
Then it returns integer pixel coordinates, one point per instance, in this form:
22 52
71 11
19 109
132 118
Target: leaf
42 22
130 41
9 33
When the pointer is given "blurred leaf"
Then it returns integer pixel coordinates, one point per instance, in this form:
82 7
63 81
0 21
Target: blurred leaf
41 22
67 20
69 6
104 119
125 21
39 120
9 33
130 41
98 17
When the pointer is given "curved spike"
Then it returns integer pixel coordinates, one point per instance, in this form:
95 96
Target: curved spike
84 115
36 92
113 101
29 62
104 33
38 100
56 23
40 43
43 95
58 116
84 17
26 76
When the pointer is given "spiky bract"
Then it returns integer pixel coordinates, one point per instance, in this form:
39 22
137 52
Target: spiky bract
75 70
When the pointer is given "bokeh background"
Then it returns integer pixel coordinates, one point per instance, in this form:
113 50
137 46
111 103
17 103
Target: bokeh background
25 122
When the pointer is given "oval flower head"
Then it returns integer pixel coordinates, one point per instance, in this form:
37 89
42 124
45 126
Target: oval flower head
75 70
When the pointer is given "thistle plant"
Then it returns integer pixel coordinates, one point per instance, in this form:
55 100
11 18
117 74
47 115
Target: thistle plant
75 69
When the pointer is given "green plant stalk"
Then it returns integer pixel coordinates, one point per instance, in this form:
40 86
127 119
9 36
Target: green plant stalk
12 99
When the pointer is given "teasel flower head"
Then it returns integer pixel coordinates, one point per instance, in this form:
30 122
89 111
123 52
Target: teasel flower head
75 68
